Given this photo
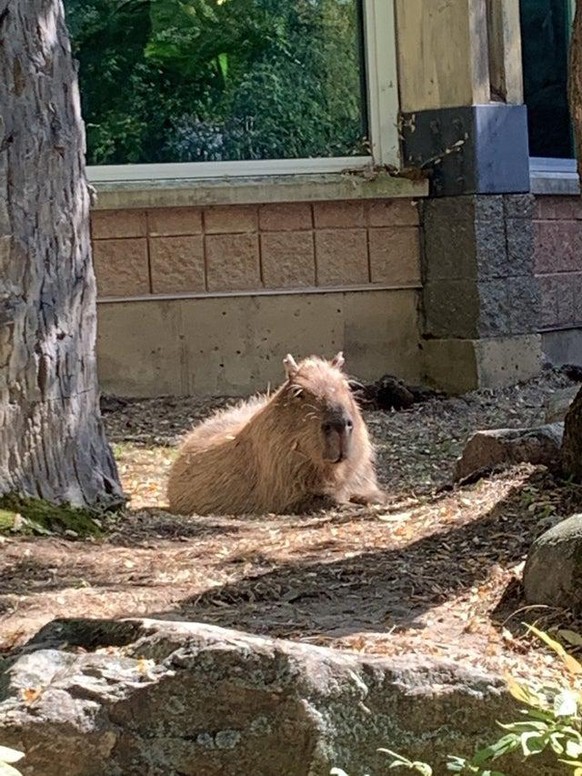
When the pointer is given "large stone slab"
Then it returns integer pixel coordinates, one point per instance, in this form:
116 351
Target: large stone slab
487 450
104 698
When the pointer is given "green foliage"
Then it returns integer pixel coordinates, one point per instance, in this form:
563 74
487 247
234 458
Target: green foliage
210 80
7 757
552 722
34 516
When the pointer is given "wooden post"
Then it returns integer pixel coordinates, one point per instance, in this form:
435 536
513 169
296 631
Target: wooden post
504 43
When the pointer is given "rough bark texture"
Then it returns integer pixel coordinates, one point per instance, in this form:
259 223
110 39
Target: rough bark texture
575 82
52 443
572 443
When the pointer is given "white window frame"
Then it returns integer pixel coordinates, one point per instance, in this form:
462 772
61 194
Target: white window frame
382 102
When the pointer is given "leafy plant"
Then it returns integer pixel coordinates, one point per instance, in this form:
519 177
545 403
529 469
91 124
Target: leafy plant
552 721
7 757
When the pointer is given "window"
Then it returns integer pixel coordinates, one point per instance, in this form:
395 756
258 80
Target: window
545 33
168 83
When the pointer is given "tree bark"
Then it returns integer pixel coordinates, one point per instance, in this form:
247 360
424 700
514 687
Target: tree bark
52 442
575 82
572 441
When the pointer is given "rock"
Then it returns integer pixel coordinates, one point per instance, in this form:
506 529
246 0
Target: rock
553 570
487 450
558 404
391 393
105 698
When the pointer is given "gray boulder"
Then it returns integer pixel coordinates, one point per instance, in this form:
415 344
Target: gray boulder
145 697
487 450
558 404
553 570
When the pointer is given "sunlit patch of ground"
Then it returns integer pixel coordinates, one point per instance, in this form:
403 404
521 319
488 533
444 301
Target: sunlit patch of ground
437 571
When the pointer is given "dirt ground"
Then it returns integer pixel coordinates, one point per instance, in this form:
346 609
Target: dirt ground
436 571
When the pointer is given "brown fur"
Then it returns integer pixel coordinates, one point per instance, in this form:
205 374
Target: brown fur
270 454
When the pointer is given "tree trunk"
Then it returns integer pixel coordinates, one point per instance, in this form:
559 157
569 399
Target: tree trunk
52 443
572 442
575 83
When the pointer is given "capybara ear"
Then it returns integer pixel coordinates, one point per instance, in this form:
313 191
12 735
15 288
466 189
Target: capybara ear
338 360
290 365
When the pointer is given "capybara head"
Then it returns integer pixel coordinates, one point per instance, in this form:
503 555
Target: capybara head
320 403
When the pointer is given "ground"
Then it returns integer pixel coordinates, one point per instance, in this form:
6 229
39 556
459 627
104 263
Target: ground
436 571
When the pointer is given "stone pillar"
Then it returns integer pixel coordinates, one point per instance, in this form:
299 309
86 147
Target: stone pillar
463 121
481 302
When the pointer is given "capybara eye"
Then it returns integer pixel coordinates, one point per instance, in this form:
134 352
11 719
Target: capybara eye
327 428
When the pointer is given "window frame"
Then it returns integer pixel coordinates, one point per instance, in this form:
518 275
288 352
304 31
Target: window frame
554 175
379 37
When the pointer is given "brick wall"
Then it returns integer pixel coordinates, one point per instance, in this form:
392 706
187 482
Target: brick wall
167 251
558 260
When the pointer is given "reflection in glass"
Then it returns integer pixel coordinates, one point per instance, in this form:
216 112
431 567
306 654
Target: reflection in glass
215 80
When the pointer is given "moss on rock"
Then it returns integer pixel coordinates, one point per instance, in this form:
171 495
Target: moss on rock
35 516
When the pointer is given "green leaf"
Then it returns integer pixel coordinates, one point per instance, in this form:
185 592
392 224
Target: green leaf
532 743
566 704
9 755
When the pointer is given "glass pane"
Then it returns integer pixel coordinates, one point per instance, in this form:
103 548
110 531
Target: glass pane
545 31
215 80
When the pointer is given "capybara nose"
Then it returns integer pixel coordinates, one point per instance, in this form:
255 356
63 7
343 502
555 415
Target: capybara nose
343 425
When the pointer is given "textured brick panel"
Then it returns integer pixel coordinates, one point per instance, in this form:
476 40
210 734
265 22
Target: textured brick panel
393 212
338 215
174 220
519 205
395 255
525 305
451 309
121 267
285 217
233 262
341 257
230 219
177 264
118 223
549 300
558 246
288 259
558 208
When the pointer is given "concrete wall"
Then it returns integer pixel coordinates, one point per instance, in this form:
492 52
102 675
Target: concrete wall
558 265
208 300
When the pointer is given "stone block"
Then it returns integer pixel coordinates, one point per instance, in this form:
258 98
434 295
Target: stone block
462 365
524 305
338 215
140 348
118 223
519 233
288 259
233 262
395 255
558 246
494 308
121 267
174 221
491 249
177 264
287 216
549 315
393 212
519 206
451 309
341 257
558 208
448 244
230 219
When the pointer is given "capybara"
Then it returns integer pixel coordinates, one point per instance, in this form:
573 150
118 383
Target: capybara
305 444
